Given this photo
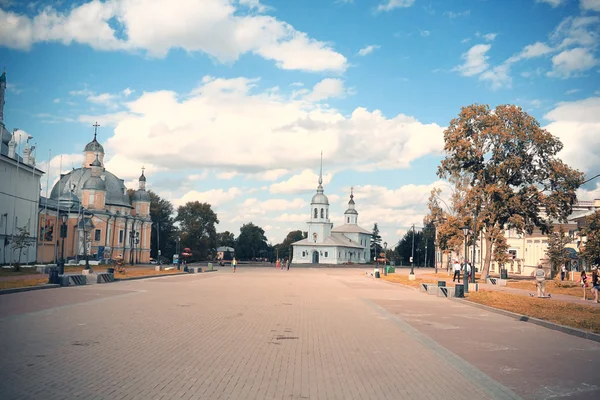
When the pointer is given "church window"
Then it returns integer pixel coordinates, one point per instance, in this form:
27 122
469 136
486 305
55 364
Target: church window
97 235
91 199
348 219
121 236
316 213
327 213
326 254
322 213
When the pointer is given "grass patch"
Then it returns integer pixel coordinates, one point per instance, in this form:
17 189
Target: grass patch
403 279
143 272
23 271
18 283
561 312
553 287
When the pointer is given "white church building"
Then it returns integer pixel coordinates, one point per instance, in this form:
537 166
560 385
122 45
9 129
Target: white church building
347 243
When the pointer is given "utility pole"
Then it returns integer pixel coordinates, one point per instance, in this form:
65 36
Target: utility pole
412 256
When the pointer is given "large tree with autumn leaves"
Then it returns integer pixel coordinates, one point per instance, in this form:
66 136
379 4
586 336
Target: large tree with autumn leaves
508 171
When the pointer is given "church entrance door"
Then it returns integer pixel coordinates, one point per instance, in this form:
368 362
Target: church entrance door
315 257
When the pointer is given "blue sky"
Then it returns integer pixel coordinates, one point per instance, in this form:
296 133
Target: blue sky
231 101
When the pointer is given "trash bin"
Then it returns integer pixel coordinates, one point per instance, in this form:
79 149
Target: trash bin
504 274
53 275
110 270
441 283
376 273
459 290
391 270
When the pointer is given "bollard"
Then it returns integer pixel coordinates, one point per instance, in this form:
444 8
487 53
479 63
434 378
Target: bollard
441 283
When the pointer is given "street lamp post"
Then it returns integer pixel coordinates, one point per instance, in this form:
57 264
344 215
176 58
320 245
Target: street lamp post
385 258
466 275
137 242
87 229
63 236
411 276
131 245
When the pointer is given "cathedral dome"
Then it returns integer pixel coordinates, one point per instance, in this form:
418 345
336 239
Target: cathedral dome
94 146
320 198
94 183
141 195
69 201
115 188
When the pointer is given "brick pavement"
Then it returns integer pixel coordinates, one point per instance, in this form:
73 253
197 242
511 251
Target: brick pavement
255 334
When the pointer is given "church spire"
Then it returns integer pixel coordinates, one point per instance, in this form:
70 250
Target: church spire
2 92
321 170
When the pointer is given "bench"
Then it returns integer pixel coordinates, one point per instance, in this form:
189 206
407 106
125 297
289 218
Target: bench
72 280
432 290
446 292
496 281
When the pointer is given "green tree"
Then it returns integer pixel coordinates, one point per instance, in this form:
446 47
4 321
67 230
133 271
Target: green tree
591 230
284 248
375 242
163 224
500 254
557 250
226 239
197 223
251 242
510 169
20 242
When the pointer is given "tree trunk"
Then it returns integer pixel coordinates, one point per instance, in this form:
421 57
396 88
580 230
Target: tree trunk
485 272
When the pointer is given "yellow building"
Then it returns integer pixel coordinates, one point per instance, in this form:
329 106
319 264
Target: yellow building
102 221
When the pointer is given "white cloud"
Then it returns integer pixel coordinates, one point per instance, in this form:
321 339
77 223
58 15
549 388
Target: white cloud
536 49
424 33
475 60
570 62
552 3
593 5
263 131
389 5
269 175
452 14
490 36
576 31
215 197
217 28
572 91
305 181
368 50
227 175
296 218
106 99
198 177
498 76
56 101
577 124
127 92
589 194
327 88
129 167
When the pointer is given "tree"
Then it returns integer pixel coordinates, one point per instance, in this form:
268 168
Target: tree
591 229
284 247
161 213
511 173
557 250
501 247
197 221
21 241
225 239
375 241
250 242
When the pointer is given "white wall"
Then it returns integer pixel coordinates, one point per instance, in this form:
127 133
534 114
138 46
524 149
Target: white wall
19 198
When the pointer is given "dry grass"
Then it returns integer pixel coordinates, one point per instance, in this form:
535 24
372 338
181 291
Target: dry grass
18 283
143 272
23 271
403 279
574 315
554 287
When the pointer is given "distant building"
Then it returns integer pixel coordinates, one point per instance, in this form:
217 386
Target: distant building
347 243
19 194
94 198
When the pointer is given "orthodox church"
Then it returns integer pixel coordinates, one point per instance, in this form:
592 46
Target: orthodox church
100 215
347 243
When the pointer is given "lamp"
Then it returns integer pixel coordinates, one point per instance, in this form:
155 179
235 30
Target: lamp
88 225
465 274
63 235
385 258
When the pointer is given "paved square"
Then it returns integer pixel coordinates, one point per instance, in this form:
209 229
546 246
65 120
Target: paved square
270 334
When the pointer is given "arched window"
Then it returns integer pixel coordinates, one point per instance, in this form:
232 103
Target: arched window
348 219
327 213
322 213
316 213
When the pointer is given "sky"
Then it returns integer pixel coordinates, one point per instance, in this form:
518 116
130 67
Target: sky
231 102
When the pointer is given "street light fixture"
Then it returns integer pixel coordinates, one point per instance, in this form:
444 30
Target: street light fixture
466 275
385 258
87 225
63 235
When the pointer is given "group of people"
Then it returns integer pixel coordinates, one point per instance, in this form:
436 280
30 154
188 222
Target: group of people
594 285
464 266
283 264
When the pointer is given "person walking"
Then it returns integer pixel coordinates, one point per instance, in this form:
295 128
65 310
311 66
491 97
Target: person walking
288 264
234 264
595 283
278 264
563 272
456 269
583 281
540 281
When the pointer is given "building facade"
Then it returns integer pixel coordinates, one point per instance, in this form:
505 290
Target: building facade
348 243
102 220
19 195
